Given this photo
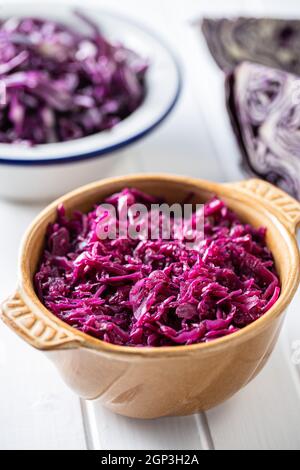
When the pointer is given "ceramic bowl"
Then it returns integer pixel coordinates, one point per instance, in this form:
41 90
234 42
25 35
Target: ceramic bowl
155 382
44 172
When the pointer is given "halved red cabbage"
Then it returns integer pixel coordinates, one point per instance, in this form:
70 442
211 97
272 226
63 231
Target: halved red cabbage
61 84
156 292
267 41
264 106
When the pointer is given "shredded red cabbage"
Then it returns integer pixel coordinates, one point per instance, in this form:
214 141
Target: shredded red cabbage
61 84
157 292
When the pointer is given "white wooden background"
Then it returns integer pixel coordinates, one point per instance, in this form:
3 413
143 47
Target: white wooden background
37 411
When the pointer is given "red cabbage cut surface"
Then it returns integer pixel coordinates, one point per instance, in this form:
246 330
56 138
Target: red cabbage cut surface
264 106
267 41
160 292
61 84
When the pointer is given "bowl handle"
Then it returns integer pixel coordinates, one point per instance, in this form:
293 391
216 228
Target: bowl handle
287 209
34 327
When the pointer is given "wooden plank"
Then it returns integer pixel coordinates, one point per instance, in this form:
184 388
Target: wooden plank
166 150
162 151
291 341
37 411
258 417
263 416
111 432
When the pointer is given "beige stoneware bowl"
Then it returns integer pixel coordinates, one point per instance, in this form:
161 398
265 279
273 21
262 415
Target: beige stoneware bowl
155 382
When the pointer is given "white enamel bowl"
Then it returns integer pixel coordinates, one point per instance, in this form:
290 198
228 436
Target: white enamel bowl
46 171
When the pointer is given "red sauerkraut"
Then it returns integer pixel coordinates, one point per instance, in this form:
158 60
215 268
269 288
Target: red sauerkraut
60 84
159 292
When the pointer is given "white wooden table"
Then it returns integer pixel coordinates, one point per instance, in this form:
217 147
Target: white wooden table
37 411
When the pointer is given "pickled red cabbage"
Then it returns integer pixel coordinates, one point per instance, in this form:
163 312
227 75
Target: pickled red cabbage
158 292
60 84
